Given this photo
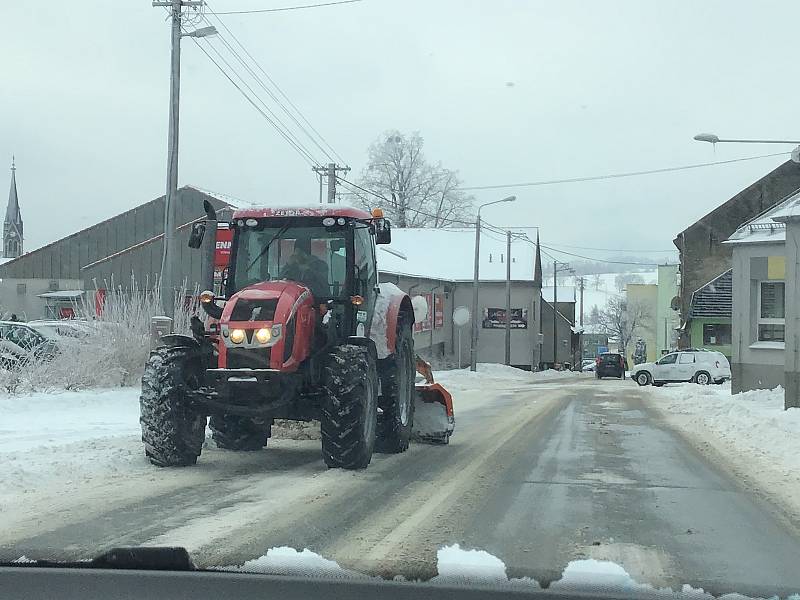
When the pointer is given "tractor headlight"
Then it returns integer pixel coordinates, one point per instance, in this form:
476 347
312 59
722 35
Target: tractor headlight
263 335
237 336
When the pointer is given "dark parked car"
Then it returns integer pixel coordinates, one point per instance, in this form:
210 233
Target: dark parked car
610 364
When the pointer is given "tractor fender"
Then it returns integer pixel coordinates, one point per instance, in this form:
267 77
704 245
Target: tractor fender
177 340
391 301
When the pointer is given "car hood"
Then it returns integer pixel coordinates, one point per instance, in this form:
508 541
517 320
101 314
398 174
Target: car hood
643 366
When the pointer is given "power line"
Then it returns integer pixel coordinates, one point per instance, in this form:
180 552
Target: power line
416 210
609 249
286 135
612 262
619 175
285 8
283 95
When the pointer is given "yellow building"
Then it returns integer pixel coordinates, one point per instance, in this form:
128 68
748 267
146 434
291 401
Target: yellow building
642 303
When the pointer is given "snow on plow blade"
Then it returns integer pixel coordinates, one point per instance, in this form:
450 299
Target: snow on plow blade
433 414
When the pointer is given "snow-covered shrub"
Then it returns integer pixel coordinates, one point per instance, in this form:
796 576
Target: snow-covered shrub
113 351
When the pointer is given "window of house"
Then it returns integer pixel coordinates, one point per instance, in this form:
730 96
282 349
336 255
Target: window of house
716 334
771 311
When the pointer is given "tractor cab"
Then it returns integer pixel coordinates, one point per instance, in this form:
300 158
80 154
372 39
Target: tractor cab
330 252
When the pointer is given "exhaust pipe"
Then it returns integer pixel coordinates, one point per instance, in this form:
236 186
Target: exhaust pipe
208 248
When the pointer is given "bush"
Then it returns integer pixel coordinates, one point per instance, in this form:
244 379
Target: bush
112 353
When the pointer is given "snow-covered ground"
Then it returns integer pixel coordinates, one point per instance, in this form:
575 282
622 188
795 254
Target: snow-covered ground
490 373
759 439
68 442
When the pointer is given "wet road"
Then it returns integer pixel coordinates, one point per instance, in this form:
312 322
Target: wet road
537 475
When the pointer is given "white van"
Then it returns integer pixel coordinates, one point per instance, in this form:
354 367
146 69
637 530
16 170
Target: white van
699 366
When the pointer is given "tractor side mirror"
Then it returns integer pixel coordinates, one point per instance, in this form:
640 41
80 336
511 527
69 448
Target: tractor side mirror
196 235
383 232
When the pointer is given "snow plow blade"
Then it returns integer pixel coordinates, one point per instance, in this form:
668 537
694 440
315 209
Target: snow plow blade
433 414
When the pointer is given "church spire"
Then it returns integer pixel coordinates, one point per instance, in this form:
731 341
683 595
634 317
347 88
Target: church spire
537 268
12 226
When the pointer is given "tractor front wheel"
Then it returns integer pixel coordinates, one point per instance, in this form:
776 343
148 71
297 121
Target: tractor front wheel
397 374
173 430
232 432
349 409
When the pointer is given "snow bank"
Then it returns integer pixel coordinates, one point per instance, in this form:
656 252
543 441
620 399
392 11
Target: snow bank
490 374
67 439
455 565
751 426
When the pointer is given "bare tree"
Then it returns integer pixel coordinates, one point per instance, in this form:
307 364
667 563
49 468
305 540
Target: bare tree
597 281
621 320
418 193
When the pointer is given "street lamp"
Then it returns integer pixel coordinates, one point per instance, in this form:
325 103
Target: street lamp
714 139
473 347
170 198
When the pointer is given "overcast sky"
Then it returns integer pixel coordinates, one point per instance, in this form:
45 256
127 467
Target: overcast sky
504 91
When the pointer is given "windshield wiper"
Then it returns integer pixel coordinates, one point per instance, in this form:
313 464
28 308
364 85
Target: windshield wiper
167 558
278 234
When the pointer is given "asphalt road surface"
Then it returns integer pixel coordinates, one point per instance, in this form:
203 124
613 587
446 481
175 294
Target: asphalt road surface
536 474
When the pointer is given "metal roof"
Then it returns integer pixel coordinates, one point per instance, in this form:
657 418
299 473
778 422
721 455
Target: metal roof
714 299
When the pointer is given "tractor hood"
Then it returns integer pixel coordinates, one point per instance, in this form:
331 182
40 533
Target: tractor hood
268 301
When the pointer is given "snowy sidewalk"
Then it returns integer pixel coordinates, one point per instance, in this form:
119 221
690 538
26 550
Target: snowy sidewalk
759 439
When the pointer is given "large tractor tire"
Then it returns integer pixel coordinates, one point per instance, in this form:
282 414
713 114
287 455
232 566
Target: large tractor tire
173 430
349 409
397 374
233 432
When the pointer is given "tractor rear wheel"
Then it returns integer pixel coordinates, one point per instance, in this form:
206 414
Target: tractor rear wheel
173 430
349 409
397 374
232 432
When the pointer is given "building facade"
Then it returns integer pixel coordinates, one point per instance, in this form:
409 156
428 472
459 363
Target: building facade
759 299
667 318
710 311
703 255
641 300
119 252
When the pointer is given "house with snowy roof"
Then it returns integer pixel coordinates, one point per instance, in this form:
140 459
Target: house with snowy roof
759 298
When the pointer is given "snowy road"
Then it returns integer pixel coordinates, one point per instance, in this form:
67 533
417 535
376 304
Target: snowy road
536 474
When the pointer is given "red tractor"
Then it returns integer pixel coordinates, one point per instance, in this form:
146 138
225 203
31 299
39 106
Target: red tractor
302 331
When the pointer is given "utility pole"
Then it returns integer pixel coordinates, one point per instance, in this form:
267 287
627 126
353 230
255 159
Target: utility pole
508 297
580 287
555 311
473 346
565 266
171 197
329 171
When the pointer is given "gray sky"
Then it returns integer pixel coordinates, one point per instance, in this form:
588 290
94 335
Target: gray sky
597 88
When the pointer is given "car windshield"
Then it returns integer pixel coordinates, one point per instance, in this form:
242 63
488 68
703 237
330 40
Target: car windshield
313 256
404 289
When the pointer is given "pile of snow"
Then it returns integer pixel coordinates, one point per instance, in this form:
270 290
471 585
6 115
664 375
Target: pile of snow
751 426
455 565
288 561
490 373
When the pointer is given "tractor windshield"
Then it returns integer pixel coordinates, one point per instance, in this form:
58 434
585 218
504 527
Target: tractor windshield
313 256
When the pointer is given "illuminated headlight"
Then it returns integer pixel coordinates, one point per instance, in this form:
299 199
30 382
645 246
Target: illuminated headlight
263 335
237 336
277 330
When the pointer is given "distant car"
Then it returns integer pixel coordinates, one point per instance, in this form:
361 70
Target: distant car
699 366
610 364
588 365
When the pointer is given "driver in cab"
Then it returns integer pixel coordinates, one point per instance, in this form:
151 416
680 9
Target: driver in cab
305 268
